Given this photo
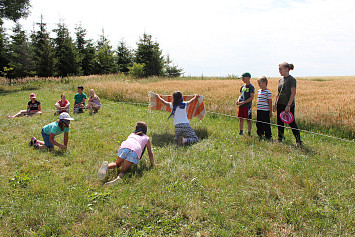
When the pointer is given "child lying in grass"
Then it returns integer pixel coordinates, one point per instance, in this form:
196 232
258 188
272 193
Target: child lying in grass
129 153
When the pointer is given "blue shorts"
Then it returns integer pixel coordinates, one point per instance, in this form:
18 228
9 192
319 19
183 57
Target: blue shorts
46 140
128 154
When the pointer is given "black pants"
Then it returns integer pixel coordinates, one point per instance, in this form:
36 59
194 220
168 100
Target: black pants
293 125
263 124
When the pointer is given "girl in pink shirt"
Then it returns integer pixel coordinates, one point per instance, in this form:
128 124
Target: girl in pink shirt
129 153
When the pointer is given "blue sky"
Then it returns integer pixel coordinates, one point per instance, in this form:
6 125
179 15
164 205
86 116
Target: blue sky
225 37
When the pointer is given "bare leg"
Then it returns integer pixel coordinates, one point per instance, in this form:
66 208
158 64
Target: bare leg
125 166
22 112
249 125
241 124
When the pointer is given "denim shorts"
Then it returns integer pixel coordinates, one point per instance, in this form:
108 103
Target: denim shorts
128 154
46 140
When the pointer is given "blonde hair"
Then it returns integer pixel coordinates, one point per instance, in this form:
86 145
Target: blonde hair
263 79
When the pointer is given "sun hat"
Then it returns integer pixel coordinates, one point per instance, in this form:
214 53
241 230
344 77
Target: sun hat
65 116
33 96
286 117
245 74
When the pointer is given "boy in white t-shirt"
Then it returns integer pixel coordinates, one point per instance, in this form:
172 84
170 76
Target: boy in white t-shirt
264 111
182 125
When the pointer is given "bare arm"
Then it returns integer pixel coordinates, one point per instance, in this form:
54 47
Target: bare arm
150 153
163 101
51 140
193 99
246 101
290 101
66 138
270 106
39 107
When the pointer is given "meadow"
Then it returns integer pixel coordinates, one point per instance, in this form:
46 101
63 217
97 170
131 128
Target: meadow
225 185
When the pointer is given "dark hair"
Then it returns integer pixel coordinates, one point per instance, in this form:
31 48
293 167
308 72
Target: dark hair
81 87
141 128
177 97
289 66
263 79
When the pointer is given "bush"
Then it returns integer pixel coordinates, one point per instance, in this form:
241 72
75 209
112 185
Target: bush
137 70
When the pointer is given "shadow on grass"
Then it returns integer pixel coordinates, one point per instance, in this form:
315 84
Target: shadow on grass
164 139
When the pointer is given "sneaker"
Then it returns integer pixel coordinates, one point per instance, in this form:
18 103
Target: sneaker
103 170
249 134
33 141
241 133
279 140
113 182
298 144
36 146
81 111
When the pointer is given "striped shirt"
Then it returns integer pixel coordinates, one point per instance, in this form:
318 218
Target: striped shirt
263 100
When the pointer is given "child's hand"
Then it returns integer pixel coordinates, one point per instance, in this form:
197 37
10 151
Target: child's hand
62 147
274 108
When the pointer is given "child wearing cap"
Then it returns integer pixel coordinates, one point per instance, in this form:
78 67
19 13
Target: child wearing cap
245 102
51 130
62 105
129 153
33 107
79 103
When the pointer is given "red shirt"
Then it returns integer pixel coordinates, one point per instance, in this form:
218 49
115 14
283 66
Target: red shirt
63 104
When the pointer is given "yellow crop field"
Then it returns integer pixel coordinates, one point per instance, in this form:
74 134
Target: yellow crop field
326 101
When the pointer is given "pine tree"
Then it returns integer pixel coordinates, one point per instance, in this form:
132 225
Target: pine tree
172 70
105 56
4 54
90 65
124 57
43 50
21 54
14 9
65 52
80 44
149 53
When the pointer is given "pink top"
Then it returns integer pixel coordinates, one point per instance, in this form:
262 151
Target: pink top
60 102
136 143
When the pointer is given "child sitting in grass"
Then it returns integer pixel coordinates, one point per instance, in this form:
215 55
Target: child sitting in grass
129 153
62 105
33 107
51 130
182 125
94 102
79 98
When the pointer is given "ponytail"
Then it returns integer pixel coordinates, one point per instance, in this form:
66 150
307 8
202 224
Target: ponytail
289 66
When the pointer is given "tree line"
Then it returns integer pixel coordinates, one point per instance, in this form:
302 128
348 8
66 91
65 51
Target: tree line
37 54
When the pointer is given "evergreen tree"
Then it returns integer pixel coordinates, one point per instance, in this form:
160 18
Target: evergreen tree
14 9
21 55
43 50
80 44
105 56
124 57
67 59
149 53
89 63
172 70
4 55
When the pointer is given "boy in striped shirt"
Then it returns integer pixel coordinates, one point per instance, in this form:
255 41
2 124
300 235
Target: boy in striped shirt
264 110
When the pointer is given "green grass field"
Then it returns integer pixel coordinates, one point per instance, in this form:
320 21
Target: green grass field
225 185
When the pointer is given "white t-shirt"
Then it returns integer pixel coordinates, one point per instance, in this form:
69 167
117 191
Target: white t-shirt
180 115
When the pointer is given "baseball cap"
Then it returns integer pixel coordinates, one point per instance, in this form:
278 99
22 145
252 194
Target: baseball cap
65 116
33 96
245 74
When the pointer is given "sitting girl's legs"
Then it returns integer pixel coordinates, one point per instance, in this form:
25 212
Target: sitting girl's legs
22 112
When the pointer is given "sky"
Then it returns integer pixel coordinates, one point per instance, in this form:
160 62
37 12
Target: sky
220 38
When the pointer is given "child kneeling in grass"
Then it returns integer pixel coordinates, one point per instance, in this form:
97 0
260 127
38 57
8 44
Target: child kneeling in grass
51 130
94 102
182 125
129 153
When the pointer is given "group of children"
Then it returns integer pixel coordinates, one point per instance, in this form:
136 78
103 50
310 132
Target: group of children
285 102
132 149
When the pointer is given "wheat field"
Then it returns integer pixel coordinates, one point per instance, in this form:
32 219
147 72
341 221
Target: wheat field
325 101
